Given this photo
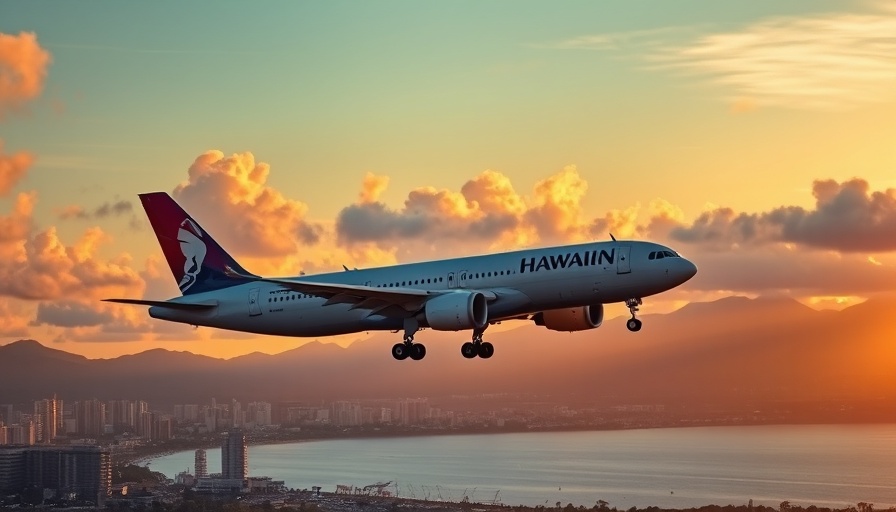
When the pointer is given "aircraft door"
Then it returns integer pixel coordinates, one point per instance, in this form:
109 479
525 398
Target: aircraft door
623 265
451 282
254 307
462 278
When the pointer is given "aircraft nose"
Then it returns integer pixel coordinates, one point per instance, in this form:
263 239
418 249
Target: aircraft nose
689 270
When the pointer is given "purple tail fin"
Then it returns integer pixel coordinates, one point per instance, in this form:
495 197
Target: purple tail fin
198 263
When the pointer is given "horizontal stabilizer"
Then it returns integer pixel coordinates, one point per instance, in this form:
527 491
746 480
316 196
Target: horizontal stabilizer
188 306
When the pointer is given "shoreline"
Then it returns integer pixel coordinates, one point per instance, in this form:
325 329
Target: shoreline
147 458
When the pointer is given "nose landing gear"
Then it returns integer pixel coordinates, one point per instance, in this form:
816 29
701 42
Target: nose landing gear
633 324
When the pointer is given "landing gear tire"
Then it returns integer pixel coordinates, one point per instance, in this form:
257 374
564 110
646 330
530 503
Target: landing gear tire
486 350
401 351
469 350
633 324
418 351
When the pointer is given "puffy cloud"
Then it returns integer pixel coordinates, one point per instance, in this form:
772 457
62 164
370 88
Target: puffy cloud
230 198
23 70
13 168
826 61
619 223
557 213
372 187
847 217
487 211
16 226
41 266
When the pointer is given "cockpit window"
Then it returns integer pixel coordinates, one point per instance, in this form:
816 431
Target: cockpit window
658 255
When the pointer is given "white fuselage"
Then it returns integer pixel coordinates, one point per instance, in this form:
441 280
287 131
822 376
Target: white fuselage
523 282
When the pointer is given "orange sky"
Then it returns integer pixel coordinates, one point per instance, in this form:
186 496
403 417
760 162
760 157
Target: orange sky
757 140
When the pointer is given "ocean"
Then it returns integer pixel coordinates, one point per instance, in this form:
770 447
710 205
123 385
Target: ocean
822 465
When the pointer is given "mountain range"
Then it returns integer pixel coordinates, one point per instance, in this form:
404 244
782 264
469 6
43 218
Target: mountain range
731 350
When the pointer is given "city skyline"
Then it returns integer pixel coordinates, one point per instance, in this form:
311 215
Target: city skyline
757 138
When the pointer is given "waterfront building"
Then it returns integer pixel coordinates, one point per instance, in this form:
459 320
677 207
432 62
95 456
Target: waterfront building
73 472
235 456
201 464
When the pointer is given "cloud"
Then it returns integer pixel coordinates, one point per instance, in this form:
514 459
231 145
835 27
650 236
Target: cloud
23 70
13 168
486 213
827 61
16 226
40 266
230 198
70 314
848 217
14 319
103 211
635 39
372 187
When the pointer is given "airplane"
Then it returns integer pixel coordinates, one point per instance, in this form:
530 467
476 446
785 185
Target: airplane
561 288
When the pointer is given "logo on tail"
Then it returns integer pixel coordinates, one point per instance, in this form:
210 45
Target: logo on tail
198 263
190 237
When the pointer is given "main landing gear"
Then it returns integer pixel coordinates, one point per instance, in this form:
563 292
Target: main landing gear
477 347
417 351
408 348
633 323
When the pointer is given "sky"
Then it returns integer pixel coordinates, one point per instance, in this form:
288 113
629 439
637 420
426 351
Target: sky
756 138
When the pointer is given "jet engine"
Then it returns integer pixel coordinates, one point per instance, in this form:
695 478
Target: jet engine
457 311
571 319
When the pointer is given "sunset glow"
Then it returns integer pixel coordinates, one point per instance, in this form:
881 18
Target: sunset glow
757 139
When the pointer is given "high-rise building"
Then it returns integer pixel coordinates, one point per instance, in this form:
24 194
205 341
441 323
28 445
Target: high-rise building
12 469
161 429
235 456
85 471
46 419
259 413
6 414
236 413
201 464
91 416
122 415
22 433
144 426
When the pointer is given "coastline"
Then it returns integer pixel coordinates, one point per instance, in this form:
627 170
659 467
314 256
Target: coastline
146 458
627 467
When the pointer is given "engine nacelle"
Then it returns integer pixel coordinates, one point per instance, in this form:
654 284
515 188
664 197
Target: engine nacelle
572 319
457 311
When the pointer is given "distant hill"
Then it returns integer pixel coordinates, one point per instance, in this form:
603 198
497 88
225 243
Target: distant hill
733 350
